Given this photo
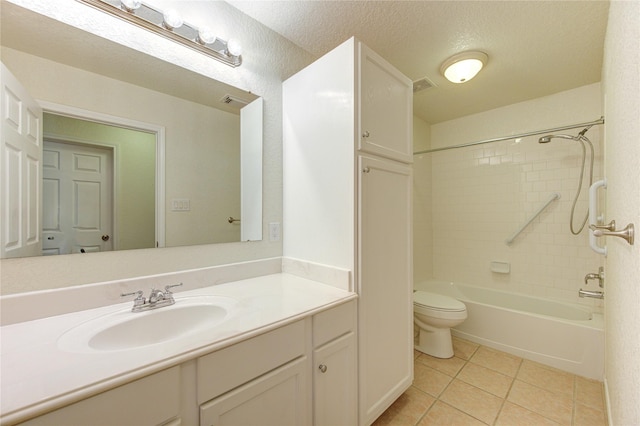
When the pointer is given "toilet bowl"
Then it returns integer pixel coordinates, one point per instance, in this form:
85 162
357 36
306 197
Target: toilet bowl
435 314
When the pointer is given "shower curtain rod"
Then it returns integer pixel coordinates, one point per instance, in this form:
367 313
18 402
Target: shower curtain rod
506 138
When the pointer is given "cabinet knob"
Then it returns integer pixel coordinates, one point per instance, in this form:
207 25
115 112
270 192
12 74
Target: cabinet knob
322 368
365 134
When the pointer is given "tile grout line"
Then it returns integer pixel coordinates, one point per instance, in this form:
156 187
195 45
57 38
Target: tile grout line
504 400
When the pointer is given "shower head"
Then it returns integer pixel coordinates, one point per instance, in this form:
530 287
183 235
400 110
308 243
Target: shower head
547 138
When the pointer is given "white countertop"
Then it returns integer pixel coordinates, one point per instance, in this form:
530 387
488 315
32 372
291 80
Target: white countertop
36 375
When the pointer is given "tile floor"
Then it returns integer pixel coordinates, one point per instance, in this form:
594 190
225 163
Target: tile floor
483 386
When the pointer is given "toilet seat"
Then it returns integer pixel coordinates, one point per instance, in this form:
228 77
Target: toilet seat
437 302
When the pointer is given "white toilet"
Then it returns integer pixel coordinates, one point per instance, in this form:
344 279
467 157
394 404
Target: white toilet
435 314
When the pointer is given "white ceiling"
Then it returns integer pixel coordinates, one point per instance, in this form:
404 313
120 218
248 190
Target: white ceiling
535 48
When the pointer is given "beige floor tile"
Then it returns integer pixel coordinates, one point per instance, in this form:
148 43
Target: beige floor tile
548 378
486 379
407 409
514 415
429 380
590 393
551 405
536 394
464 349
587 416
499 361
442 414
449 366
472 401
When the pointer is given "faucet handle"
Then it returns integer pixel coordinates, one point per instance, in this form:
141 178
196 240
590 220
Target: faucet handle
167 289
139 300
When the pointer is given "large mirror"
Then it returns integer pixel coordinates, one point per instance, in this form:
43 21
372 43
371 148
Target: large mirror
182 153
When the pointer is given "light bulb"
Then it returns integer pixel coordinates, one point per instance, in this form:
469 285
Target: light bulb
205 36
234 47
172 19
463 71
464 66
130 5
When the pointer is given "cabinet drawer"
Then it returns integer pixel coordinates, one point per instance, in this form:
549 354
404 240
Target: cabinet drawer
151 400
228 368
335 322
278 398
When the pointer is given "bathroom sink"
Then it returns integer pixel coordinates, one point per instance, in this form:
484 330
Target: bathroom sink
124 330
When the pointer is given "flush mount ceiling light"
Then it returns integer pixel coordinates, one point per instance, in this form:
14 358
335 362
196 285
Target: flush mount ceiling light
169 24
462 67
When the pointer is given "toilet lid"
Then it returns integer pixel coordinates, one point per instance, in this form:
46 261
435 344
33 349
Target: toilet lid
437 301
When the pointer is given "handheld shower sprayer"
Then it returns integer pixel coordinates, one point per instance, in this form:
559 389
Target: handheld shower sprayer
582 139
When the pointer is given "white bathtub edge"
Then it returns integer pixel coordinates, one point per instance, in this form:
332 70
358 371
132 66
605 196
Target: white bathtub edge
559 363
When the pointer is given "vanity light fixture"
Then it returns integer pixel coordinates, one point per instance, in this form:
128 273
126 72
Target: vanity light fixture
170 24
171 19
462 67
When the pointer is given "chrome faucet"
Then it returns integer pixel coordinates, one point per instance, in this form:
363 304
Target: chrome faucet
157 299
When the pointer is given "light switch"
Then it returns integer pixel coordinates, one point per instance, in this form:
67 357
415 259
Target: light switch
180 205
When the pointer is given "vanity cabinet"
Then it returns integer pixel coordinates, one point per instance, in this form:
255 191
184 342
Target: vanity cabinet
152 400
347 189
302 373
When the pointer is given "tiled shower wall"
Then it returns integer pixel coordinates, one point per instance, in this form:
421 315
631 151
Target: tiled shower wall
481 195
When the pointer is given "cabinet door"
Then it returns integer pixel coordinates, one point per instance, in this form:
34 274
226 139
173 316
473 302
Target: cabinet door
151 400
386 108
335 399
385 306
279 398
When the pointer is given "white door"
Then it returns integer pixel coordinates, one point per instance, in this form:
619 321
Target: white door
77 198
20 160
385 331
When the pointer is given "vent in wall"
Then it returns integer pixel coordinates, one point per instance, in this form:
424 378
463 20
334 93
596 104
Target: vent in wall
422 84
233 101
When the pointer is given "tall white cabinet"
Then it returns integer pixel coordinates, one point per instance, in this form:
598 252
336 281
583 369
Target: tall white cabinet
347 182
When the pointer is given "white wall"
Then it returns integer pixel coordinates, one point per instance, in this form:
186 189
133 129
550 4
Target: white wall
262 72
422 218
621 83
483 194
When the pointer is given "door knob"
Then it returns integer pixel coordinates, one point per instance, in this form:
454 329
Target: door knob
105 238
322 368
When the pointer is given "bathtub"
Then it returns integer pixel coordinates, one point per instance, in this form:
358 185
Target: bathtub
562 335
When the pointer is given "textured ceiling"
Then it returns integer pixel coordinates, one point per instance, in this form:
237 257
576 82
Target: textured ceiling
535 48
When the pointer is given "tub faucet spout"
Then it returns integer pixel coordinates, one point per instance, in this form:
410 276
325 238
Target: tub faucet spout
589 293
